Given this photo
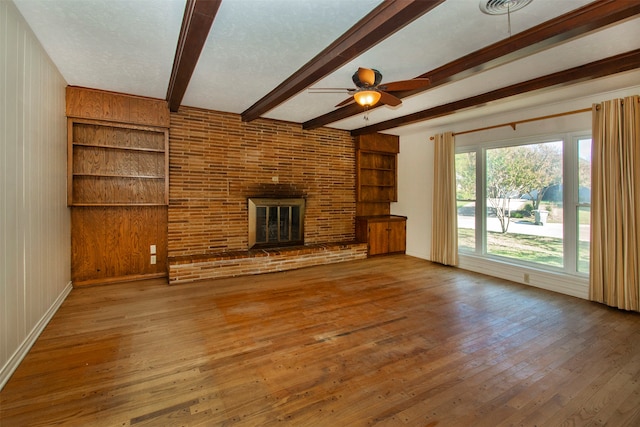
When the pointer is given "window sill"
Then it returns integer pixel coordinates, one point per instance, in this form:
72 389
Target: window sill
568 284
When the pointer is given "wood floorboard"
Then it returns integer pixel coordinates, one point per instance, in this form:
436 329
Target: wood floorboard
388 341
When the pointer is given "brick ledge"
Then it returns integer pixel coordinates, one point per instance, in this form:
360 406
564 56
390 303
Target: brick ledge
190 268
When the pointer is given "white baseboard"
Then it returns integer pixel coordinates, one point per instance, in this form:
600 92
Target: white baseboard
421 254
16 358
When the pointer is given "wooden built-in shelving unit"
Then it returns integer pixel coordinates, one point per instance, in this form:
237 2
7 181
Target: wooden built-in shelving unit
376 188
377 177
117 186
114 164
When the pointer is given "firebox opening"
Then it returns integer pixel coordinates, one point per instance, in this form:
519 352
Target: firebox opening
275 222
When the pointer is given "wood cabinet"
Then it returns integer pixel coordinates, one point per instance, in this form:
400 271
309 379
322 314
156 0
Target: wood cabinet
385 234
115 164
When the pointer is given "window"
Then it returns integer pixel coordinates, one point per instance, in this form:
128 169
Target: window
532 193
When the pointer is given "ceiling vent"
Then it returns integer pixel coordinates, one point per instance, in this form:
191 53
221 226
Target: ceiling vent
501 7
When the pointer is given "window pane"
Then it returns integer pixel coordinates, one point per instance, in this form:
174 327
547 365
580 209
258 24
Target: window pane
584 171
466 200
584 201
524 218
584 229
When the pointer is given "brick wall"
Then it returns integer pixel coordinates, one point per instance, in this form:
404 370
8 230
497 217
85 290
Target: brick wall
216 162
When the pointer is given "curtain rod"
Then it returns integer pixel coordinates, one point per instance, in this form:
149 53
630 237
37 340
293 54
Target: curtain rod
513 124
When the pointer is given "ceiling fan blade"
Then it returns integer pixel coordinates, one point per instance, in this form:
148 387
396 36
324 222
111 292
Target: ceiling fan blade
346 102
405 85
387 98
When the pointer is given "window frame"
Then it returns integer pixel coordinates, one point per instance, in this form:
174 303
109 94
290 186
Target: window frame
570 170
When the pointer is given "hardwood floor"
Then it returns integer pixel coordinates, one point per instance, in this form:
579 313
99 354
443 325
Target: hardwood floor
385 341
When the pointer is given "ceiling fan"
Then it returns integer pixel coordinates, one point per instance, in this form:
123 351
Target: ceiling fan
369 90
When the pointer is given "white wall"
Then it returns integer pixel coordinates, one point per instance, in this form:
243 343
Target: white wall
415 189
34 219
415 175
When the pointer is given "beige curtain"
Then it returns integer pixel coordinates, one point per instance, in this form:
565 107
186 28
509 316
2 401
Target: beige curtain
444 226
615 204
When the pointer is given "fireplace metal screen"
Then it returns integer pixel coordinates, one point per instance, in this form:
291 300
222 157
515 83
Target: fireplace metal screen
276 222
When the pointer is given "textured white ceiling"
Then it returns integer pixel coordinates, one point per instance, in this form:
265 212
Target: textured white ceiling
256 44
129 47
123 46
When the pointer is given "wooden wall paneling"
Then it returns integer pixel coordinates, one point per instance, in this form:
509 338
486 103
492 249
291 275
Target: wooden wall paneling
146 139
84 103
117 107
150 112
87 243
162 240
145 164
128 163
156 235
378 142
113 243
116 251
148 224
374 209
132 227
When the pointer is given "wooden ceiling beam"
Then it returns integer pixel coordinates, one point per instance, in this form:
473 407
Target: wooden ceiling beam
543 36
196 24
604 67
389 17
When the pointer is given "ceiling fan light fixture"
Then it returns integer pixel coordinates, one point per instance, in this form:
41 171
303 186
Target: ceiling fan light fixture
367 98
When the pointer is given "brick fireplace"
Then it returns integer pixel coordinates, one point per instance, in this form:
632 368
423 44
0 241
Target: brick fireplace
217 162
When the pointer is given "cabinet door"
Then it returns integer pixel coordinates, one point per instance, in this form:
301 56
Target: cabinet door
378 238
397 236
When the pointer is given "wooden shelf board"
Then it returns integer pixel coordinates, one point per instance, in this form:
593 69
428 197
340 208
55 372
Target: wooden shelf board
106 175
115 204
117 147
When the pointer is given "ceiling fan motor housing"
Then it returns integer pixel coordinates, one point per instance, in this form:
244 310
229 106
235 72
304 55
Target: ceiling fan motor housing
367 77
